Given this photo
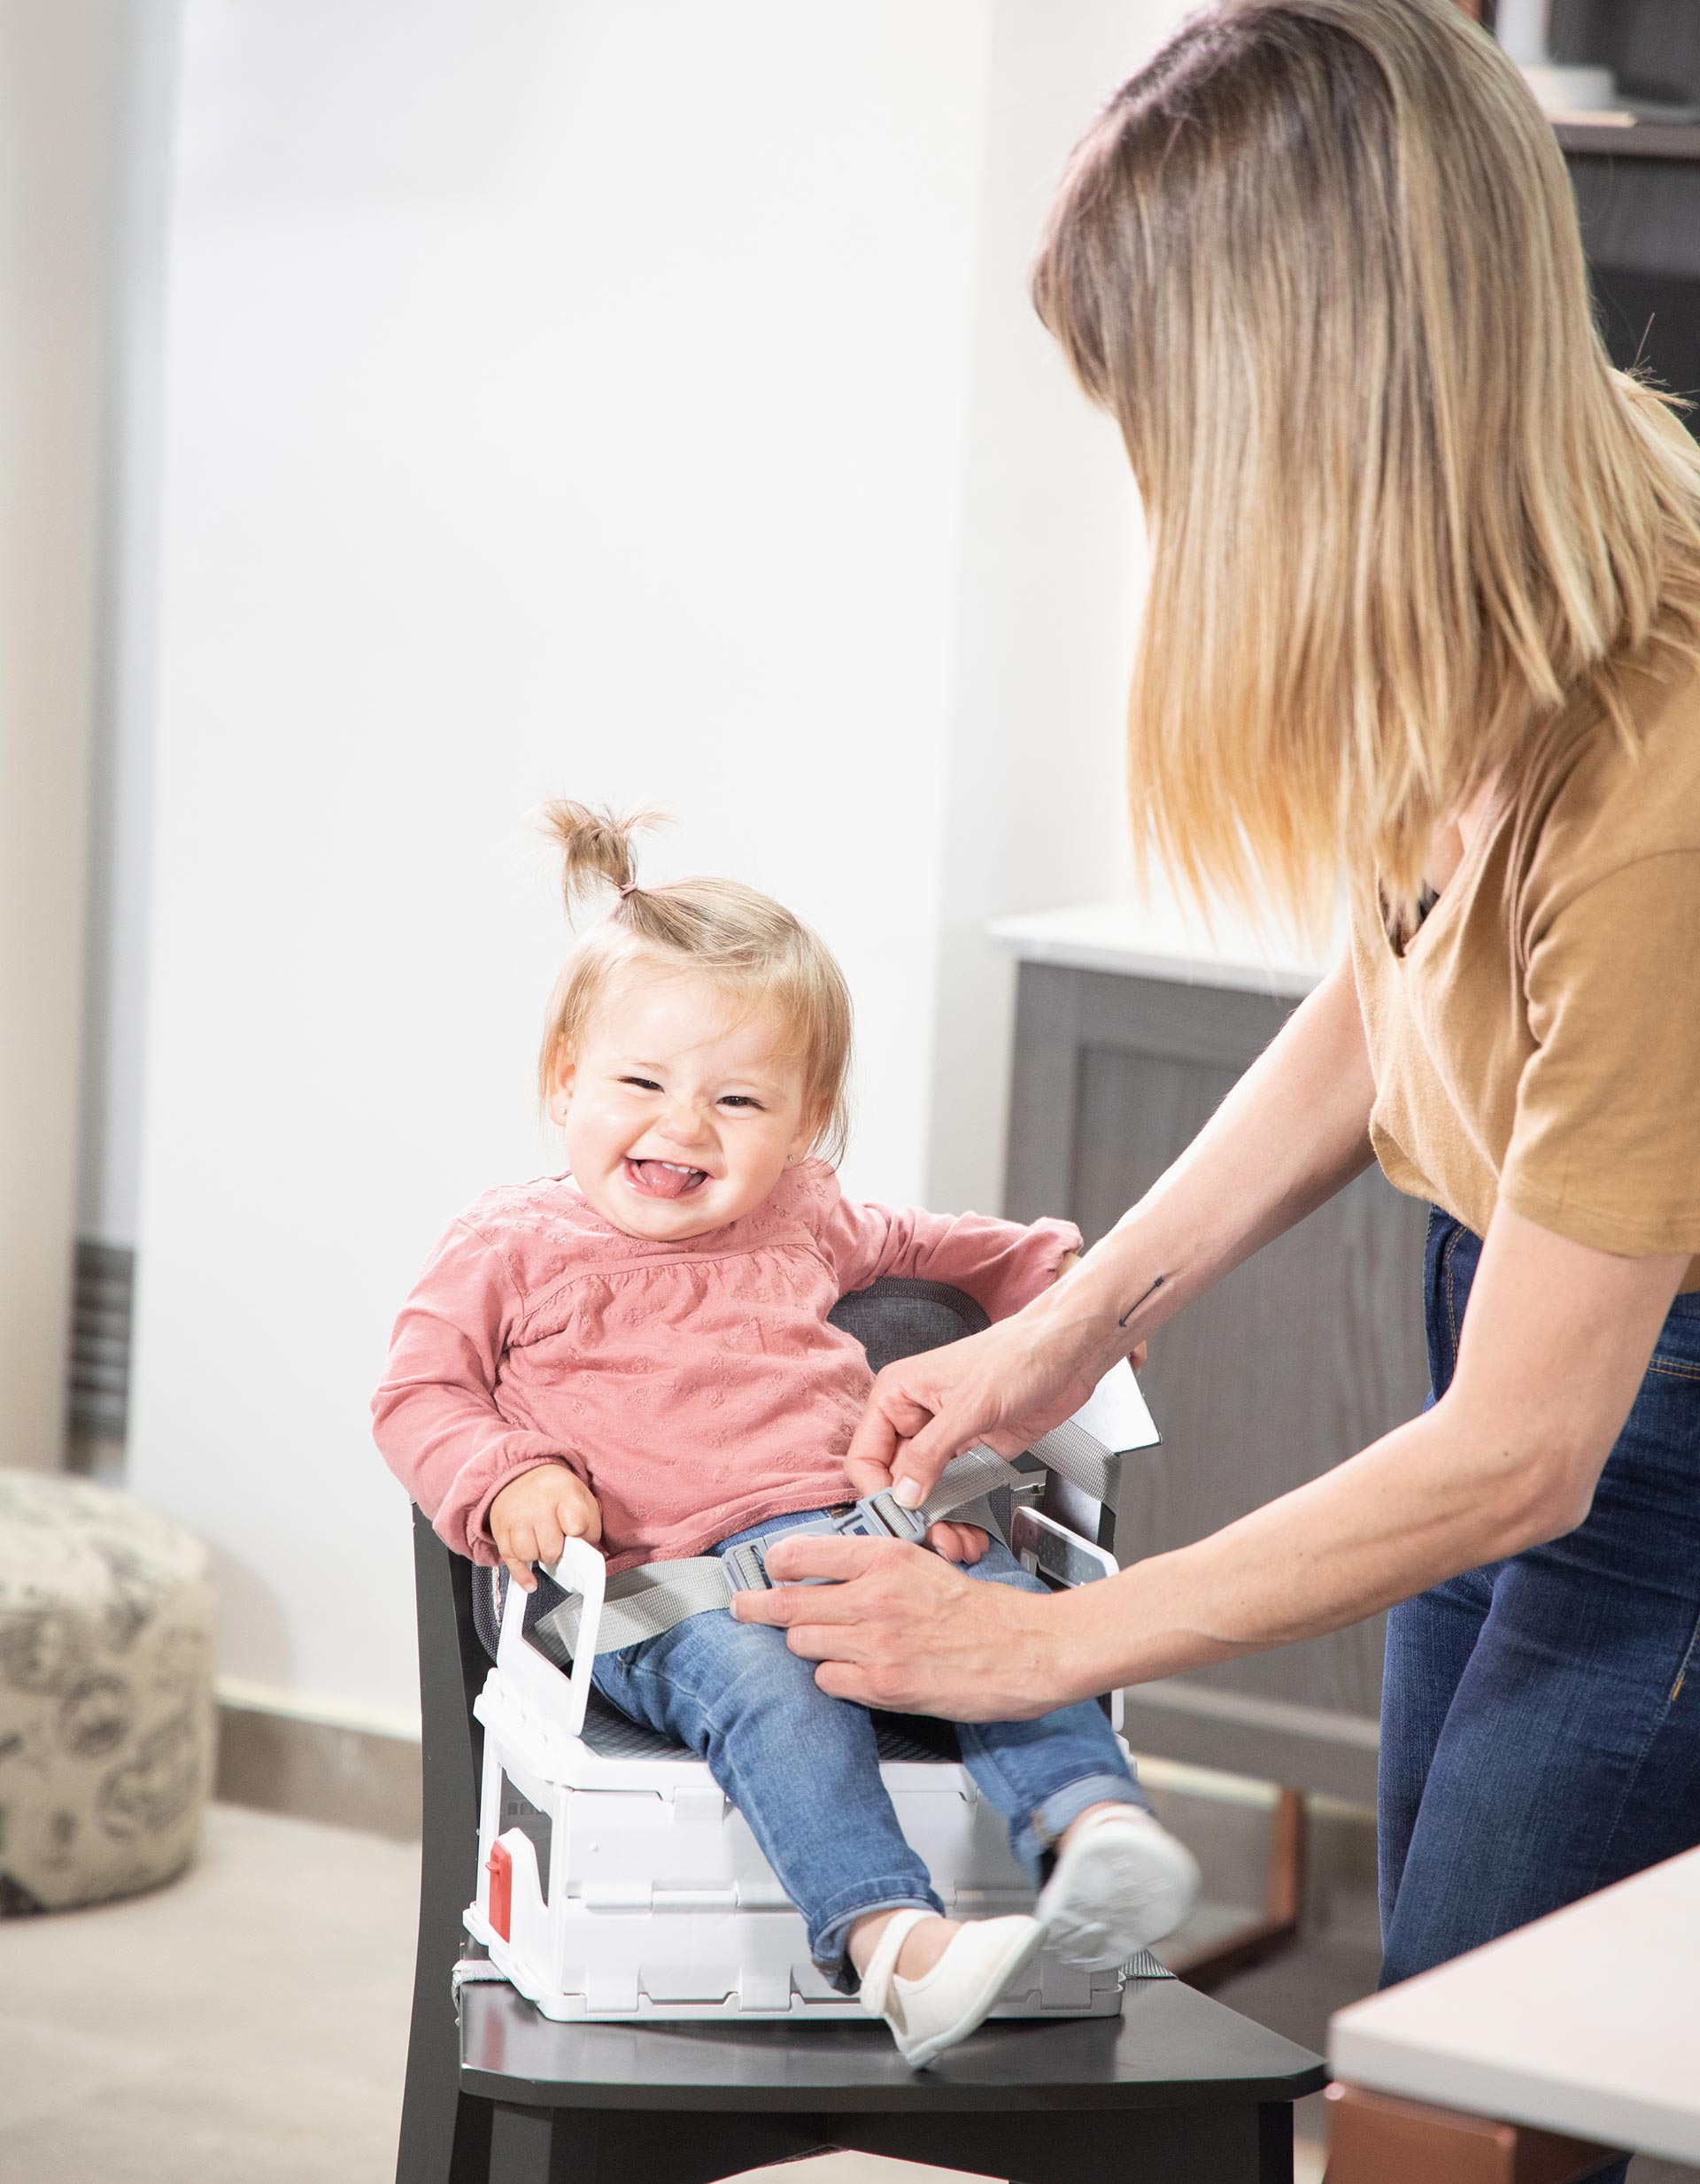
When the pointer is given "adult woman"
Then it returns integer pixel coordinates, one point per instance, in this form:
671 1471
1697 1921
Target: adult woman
1425 609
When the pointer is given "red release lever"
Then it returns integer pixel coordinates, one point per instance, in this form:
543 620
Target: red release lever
499 1866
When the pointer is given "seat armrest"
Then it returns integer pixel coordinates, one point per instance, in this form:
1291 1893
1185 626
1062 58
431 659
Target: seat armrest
1051 1551
533 1679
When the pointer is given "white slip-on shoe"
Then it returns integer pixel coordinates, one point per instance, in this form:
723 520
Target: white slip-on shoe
1120 1882
944 2005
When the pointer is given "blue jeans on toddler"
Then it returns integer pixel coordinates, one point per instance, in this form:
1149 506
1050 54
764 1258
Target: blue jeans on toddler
803 1768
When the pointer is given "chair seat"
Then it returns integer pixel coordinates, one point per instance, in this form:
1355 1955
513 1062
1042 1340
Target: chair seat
1177 2091
1172 2045
902 1740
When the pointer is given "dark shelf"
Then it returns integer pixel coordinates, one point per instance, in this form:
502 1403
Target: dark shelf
1635 140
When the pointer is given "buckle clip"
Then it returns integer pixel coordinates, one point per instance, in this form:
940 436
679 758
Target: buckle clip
748 1568
876 1516
901 1523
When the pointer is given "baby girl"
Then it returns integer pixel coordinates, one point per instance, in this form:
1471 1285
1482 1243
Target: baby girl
637 1352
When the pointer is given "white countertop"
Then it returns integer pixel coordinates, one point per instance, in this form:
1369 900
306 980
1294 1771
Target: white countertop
1159 938
1587 2023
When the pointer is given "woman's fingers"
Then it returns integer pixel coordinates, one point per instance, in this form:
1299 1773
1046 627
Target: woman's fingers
896 1409
958 1543
865 1477
902 1629
919 1463
817 1555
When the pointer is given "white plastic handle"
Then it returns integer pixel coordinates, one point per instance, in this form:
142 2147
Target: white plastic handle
529 1675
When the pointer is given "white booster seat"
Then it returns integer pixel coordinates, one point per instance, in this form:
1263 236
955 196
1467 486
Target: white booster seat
616 1880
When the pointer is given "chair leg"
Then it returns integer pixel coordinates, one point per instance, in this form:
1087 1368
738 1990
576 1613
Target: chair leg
1275 2142
445 2133
522 2145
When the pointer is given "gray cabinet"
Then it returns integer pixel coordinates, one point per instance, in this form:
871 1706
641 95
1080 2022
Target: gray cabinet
1306 1354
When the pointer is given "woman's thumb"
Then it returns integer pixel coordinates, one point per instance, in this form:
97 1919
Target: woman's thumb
917 1463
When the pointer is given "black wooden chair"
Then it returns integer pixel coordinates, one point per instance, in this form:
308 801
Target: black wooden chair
1178 2090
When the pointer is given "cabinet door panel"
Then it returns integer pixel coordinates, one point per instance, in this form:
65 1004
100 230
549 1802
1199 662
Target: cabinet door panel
1305 1354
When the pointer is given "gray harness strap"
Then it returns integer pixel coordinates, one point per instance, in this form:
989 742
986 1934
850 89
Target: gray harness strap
644 1602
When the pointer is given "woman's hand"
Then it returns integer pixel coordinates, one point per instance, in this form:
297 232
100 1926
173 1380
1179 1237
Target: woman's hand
1005 1387
535 1515
958 1543
902 1630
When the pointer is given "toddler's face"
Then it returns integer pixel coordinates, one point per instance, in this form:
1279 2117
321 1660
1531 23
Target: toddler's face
681 1109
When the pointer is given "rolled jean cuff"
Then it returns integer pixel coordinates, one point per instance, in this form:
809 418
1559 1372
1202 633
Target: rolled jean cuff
828 1933
1036 1838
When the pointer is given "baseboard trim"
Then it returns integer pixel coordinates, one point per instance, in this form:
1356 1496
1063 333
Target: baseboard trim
1268 1740
359 1767
276 1757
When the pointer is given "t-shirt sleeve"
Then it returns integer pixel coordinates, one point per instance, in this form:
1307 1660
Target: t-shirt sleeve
1605 1145
1001 1265
435 1418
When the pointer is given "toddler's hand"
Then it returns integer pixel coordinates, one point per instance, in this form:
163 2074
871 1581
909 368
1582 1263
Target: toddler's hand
958 1543
536 1513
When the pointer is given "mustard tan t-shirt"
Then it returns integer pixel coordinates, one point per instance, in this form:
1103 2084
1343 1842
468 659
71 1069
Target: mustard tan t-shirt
1537 1038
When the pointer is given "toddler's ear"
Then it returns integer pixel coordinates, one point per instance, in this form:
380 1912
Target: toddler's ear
802 1143
560 1087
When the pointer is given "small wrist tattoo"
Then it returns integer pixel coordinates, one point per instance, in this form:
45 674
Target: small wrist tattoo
1138 1301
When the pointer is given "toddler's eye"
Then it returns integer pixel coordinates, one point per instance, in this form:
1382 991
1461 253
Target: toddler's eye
644 1083
740 1100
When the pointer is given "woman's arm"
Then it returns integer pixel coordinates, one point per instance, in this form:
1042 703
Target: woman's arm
1293 1132
1554 1347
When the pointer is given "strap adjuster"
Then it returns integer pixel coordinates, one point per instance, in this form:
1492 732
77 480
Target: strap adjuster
876 1516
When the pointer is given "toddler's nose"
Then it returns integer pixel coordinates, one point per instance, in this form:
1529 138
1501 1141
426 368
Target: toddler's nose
686 1126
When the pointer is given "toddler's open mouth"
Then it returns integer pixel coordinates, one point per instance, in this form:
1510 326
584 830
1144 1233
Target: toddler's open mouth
662 1178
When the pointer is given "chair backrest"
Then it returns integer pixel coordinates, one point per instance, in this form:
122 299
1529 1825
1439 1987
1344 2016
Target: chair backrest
900 1317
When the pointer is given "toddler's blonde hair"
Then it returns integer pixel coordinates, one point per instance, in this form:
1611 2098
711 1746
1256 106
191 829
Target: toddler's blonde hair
744 940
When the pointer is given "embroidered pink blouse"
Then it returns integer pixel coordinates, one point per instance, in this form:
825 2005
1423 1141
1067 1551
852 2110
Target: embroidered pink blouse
697 1388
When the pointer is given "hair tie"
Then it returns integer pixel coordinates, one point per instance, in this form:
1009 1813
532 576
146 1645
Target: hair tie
629 888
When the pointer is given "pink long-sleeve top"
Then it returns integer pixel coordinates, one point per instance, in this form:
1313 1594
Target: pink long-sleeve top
696 1388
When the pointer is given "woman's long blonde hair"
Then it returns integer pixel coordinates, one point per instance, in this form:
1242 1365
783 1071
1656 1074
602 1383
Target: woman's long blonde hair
1320 260
748 943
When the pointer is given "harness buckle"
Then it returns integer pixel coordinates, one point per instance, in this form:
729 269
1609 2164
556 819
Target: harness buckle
876 1516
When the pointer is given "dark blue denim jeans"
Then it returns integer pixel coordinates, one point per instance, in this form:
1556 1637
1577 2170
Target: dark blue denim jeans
803 1768
1541 1716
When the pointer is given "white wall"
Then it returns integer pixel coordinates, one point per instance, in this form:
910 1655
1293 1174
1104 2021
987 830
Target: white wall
589 399
1052 573
58 75
557 399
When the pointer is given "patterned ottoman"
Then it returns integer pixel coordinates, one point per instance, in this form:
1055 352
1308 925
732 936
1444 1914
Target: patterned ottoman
106 1727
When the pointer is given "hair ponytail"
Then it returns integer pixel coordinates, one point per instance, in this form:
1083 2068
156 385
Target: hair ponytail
595 847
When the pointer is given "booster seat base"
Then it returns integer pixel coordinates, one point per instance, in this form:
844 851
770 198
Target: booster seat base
772 1980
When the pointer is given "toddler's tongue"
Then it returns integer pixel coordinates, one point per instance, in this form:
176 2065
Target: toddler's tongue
657 1179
